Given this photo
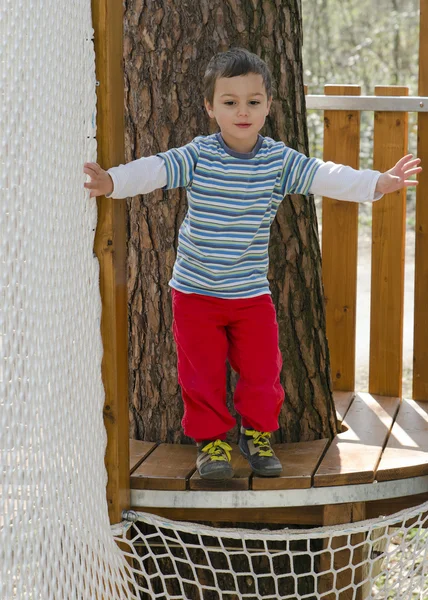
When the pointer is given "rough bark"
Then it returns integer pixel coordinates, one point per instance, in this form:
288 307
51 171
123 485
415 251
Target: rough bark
167 46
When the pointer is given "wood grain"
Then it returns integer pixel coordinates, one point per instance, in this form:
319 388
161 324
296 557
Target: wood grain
340 554
391 506
110 248
168 467
138 451
311 515
342 402
299 462
406 453
340 241
353 455
420 348
388 244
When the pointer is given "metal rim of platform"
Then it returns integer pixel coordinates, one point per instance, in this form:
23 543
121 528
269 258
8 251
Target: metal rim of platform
365 492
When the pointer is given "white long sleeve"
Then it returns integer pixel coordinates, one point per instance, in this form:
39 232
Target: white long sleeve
138 177
344 183
332 180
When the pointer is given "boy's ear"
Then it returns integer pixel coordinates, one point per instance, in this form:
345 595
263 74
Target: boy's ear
269 105
209 108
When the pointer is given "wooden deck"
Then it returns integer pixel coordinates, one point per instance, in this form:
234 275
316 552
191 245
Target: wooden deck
383 439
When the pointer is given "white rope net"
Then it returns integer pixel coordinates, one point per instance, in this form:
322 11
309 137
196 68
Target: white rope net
55 539
383 558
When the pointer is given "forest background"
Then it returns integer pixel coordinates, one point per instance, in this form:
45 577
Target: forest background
366 43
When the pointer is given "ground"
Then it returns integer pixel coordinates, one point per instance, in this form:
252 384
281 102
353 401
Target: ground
363 312
363 297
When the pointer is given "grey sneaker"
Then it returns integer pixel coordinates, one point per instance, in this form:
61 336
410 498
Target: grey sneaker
213 460
255 446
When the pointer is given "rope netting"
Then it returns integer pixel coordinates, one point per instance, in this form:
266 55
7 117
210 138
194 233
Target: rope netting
55 539
56 542
384 558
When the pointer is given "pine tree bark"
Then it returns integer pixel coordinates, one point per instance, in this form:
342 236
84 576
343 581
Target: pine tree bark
167 46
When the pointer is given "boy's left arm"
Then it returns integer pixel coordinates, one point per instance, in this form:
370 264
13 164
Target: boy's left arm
344 183
398 177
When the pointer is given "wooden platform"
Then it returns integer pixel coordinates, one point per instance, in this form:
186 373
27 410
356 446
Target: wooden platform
383 439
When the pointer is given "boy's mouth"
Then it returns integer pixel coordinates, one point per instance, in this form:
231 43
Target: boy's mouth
243 125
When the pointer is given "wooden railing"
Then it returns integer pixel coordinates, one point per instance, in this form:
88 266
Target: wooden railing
340 241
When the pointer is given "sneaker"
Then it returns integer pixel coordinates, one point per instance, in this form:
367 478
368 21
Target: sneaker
213 460
255 446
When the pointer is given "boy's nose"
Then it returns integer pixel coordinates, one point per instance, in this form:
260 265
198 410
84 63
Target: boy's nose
242 111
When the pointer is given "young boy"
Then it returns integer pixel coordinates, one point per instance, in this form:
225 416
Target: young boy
235 182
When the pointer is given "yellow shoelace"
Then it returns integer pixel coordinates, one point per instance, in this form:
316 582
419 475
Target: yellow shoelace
261 438
218 450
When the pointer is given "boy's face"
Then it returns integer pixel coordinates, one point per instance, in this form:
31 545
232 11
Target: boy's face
240 106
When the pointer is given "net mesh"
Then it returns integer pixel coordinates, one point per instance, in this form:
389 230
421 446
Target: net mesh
383 558
55 539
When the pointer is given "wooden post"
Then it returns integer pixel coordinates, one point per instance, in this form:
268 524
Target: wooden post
420 357
340 243
388 240
339 555
110 248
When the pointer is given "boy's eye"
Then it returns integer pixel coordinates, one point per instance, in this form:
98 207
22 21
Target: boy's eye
252 102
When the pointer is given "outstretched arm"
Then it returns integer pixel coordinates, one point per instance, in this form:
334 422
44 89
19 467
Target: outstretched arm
136 177
344 183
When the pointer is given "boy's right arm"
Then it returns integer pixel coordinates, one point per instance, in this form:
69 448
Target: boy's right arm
137 177
171 169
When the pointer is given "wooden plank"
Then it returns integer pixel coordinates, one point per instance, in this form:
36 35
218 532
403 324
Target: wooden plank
390 506
240 481
420 348
340 242
388 244
342 402
340 554
296 515
138 450
353 455
168 467
406 454
299 461
110 248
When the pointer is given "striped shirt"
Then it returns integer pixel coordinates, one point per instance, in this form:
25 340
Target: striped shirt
233 198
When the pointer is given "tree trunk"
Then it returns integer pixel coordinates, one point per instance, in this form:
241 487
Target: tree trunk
167 47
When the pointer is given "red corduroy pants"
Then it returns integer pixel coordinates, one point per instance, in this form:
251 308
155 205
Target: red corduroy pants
209 331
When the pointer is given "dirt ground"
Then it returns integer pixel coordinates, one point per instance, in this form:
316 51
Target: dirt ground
363 300
363 311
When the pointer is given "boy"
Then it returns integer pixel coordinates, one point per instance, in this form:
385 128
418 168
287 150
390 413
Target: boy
235 181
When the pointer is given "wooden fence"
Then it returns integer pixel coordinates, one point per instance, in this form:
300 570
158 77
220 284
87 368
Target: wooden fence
339 250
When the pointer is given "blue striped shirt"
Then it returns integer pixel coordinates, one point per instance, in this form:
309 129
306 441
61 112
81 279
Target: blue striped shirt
233 198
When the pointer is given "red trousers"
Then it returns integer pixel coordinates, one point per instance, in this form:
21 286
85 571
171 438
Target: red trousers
207 332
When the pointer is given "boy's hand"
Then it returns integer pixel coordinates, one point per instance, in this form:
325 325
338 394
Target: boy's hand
398 177
101 183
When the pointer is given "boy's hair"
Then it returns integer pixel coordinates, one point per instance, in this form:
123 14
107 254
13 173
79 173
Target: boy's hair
232 63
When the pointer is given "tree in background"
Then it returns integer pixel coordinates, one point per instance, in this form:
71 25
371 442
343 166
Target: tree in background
167 47
364 43
361 42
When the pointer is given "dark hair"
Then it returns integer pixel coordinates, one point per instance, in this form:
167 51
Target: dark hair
232 63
